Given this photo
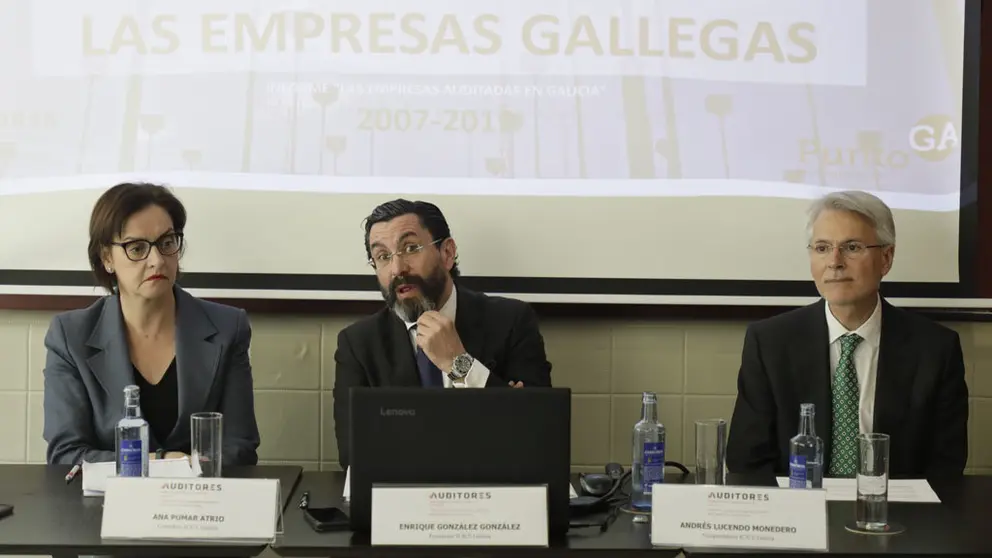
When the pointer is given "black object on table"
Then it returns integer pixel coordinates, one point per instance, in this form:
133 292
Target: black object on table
325 490
52 517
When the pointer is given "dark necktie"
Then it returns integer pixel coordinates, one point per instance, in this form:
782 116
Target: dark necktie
844 453
430 375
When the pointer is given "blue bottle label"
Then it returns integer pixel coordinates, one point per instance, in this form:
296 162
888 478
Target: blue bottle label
131 455
653 470
797 472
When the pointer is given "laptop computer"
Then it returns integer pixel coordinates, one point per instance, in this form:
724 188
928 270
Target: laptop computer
413 435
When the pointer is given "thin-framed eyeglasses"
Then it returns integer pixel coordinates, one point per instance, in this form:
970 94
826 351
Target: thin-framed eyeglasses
137 250
383 259
850 250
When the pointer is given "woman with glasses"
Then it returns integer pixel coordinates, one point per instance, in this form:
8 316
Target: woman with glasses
186 355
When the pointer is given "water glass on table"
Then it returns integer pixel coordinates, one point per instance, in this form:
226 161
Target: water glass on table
872 507
206 431
711 449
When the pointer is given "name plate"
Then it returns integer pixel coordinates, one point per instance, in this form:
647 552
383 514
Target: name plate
220 509
460 515
738 517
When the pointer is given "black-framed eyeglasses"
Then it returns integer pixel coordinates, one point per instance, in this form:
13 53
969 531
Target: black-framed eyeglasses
137 250
852 249
383 259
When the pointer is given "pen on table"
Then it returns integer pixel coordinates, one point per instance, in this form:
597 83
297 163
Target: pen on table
305 500
72 473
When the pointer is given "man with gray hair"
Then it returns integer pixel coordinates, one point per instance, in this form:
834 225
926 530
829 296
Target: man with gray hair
866 365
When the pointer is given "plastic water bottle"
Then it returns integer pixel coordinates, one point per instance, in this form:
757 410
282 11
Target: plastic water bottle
648 464
132 437
806 452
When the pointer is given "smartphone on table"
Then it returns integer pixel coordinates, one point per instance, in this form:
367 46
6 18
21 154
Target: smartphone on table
324 520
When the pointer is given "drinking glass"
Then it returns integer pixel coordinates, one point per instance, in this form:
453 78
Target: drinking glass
207 431
872 508
711 447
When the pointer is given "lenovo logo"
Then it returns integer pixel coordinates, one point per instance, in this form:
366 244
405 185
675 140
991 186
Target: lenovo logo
397 412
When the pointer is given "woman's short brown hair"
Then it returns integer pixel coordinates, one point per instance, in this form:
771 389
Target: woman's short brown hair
114 208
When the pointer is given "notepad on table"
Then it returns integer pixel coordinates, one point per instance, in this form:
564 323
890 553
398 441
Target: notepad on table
900 490
95 475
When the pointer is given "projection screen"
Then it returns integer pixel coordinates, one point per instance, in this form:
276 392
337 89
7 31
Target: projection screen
588 151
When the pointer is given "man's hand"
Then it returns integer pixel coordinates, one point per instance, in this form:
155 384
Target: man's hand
517 384
437 336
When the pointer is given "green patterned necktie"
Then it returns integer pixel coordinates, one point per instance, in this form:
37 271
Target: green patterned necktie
844 450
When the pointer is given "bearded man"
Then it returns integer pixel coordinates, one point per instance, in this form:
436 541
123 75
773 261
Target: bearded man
432 332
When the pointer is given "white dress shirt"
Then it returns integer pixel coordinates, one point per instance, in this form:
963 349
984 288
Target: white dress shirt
865 360
478 374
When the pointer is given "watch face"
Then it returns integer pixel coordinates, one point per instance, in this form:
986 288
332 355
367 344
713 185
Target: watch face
461 366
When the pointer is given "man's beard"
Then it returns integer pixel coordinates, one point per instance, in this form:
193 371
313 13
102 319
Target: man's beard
410 310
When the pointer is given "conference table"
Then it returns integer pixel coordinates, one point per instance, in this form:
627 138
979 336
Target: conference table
53 518
961 525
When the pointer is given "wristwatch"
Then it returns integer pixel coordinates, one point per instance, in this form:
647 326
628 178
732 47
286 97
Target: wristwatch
460 367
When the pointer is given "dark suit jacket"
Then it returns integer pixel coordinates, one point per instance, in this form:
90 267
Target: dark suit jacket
921 400
88 365
501 333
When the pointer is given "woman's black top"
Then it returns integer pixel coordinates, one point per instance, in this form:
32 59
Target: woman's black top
160 403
